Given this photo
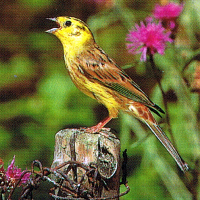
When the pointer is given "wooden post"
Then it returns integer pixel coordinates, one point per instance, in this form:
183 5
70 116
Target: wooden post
88 164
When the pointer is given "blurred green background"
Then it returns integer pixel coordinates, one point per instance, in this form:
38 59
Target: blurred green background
37 97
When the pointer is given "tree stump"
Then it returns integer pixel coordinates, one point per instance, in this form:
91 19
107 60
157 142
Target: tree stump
88 164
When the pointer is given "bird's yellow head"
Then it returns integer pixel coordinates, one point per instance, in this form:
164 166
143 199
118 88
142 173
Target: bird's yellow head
73 33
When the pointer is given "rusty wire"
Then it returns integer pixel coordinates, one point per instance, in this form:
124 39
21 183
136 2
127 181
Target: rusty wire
66 187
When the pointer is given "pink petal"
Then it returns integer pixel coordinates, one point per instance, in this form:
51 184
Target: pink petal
144 54
149 38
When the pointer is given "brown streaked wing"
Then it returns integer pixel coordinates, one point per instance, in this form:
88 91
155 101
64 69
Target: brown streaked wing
97 66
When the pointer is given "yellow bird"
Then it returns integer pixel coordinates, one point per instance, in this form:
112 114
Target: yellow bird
99 77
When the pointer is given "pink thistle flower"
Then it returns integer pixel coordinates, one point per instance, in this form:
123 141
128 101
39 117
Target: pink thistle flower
148 39
168 13
13 173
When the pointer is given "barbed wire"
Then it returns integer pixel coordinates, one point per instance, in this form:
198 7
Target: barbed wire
65 184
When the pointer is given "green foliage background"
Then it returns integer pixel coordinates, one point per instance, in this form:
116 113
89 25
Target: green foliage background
37 97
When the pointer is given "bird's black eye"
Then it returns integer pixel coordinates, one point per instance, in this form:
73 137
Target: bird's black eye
68 23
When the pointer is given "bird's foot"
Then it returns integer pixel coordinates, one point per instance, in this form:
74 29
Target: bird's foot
95 129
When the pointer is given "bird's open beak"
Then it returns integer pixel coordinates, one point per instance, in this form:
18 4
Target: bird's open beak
53 29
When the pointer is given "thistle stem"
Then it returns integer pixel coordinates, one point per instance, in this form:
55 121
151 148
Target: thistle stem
153 66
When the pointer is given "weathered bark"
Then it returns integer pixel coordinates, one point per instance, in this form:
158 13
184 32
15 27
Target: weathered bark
100 152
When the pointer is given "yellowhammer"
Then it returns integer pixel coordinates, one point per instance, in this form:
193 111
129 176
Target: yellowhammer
98 76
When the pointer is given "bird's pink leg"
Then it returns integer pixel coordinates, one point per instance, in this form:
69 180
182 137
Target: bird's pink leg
97 128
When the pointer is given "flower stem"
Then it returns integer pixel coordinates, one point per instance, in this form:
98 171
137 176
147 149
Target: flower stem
164 97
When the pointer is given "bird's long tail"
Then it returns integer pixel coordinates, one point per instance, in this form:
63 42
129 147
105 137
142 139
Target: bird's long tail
168 145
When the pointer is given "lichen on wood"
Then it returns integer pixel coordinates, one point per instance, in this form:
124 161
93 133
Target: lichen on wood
93 163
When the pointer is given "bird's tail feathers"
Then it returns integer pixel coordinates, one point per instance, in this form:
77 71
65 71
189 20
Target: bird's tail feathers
168 145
